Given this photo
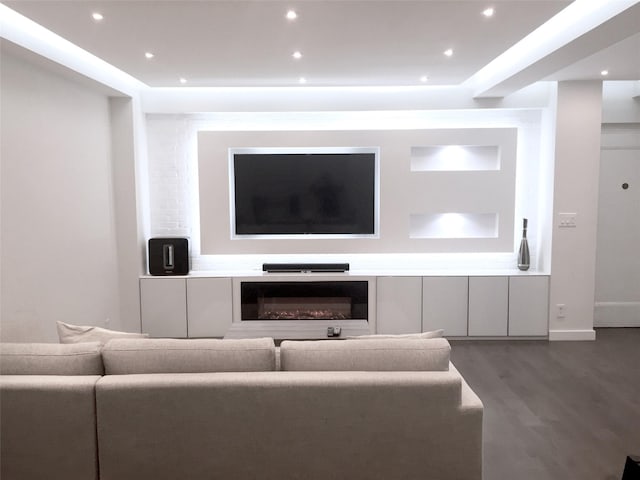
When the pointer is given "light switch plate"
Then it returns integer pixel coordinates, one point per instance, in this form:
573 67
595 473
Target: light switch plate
567 220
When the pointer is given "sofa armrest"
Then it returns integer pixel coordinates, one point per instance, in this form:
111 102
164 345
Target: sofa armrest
469 399
48 427
472 413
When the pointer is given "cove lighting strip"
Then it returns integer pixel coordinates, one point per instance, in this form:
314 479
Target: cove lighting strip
32 36
578 18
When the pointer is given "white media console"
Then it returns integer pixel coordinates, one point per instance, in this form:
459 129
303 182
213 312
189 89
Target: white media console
505 304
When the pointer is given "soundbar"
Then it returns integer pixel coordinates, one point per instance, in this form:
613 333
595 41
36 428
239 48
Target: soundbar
304 267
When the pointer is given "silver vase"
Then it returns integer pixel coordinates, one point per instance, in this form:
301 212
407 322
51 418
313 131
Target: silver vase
523 253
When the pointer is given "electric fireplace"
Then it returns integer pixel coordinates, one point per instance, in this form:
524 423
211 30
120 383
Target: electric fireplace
309 300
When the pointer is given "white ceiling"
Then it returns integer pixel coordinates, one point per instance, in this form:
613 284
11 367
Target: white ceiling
366 42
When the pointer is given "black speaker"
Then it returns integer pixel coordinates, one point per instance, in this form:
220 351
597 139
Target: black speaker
168 256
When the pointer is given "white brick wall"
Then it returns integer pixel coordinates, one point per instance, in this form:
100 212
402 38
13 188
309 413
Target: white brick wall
171 173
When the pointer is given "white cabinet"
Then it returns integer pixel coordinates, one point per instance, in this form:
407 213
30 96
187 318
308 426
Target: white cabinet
444 305
163 309
209 311
476 306
528 306
488 306
399 305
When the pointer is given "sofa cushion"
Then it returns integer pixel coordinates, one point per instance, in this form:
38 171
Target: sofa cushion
373 355
50 359
287 425
432 334
48 427
124 356
68 333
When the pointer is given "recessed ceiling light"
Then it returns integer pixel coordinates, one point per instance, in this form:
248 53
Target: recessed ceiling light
183 80
297 55
149 55
604 73
97 16
488 12
424 79
448 52
291 15
302 80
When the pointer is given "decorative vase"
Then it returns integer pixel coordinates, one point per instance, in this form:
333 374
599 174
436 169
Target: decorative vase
523 253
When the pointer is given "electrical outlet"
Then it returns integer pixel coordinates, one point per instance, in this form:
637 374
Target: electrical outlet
561 310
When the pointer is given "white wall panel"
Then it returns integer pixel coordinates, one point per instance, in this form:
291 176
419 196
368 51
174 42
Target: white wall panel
403 192
59 255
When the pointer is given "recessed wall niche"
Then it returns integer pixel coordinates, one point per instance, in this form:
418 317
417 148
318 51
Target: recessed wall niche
451 158
454 225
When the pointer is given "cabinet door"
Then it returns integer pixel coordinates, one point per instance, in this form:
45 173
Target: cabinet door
488 306
399 305
528 306
163 305
445 301
208 306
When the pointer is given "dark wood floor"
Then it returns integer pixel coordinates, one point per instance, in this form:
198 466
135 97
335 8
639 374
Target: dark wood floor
556 410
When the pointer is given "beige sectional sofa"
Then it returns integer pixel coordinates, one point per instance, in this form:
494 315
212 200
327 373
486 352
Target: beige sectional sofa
237 409
48 411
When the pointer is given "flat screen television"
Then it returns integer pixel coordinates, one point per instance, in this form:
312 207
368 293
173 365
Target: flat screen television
304 192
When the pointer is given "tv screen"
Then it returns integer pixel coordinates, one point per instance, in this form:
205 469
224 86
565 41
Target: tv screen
289 193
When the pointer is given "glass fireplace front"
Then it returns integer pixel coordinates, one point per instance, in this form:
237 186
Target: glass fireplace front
322 300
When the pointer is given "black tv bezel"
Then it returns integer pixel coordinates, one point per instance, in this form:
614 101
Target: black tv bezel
304 150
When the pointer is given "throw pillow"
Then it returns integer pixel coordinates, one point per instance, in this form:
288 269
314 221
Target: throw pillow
432 334
68 333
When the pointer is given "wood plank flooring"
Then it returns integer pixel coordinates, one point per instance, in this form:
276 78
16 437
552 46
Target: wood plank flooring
556 410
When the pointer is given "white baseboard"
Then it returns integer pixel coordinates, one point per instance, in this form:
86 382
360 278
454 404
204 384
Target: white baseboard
564 335
617 314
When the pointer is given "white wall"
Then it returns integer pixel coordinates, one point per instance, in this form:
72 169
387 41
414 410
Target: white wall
129 174
577 160
59 252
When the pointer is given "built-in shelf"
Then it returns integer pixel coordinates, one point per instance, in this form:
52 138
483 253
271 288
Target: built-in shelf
511 304
452 158
453 225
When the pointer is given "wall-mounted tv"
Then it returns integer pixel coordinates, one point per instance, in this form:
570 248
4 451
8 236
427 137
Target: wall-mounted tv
277 192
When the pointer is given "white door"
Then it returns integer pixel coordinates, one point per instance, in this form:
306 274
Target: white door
617 292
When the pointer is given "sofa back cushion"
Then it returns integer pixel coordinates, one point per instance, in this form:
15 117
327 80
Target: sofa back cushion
372 355
124 356
50 359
